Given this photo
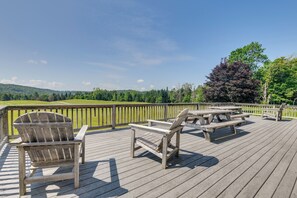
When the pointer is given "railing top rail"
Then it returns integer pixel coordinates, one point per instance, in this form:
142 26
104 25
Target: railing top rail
16 107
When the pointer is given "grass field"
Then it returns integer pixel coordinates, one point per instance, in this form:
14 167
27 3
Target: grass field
80 116
62 102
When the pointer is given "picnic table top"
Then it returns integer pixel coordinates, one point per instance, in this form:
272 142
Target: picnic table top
209 111
226 107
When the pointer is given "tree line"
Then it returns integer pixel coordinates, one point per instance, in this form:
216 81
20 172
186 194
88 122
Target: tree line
184 93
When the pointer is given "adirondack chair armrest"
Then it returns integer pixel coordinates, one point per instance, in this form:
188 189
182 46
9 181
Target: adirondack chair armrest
81 134
157 122
47 143
16 141
150 129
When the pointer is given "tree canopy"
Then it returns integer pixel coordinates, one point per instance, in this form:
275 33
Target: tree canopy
280 80
251 54
231 82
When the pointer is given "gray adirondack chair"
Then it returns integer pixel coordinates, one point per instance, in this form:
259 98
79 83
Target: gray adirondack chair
156 137
49 141
275 113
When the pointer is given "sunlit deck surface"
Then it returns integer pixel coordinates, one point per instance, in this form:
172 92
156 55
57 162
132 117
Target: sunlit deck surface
260 161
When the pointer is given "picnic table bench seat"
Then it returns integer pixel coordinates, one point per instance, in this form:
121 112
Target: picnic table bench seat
210 128
241 115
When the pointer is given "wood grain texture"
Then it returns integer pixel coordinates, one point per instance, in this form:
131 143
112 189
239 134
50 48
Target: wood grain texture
261 158
48 140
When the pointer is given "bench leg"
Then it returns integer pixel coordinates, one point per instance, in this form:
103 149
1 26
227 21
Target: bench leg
233 129
207 136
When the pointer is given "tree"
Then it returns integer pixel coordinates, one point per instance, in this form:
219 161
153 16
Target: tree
199 94
231 82
280 80
251 54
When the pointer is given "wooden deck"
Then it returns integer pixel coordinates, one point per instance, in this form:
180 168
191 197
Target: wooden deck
260 161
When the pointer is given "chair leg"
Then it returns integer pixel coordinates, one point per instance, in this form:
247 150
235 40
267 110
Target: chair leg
164 152
177 143
83 151
22 171
132 143
76 166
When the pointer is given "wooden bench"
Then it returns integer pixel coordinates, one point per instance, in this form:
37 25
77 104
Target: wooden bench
210 128
275 113
241 115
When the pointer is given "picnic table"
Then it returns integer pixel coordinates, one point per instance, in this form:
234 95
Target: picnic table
237 111
206 123
206 116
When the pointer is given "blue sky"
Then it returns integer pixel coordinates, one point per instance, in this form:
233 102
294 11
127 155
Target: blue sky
141 45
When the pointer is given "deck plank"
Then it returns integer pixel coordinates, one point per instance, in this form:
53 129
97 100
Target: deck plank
260 161
194 178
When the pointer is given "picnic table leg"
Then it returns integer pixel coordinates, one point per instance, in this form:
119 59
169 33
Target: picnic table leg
207 136
240 112
232 127
219 119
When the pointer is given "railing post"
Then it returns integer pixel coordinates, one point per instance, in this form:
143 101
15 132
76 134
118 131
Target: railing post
197 106
113 117
165 112
3 127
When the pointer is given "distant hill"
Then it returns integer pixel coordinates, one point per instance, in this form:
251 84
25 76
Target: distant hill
19 89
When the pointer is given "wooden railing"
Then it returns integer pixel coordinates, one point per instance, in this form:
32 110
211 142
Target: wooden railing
3 126
112 116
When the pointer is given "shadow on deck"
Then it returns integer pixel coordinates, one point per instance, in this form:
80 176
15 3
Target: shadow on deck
262 156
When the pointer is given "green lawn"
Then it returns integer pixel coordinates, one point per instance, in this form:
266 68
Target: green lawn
80 116
61 102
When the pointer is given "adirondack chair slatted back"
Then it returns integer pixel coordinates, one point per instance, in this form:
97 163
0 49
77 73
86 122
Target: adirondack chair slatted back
38 127
180 118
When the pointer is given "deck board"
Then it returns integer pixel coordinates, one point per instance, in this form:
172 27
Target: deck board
260 161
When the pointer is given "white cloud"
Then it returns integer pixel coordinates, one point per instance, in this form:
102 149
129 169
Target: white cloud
43 62
33 83
140 81
85 83
152 86
13 80
44 84
37 62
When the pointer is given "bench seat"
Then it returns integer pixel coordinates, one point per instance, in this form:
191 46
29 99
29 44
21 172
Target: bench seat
210 128
242 115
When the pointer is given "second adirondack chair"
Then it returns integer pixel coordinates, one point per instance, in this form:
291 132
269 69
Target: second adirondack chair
156 137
